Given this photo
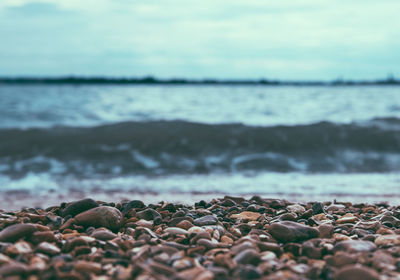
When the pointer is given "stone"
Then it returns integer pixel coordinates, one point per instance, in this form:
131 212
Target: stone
15 232
247 215
48 249
355 246
13 269
317 208
248 256
185 224
227 240
4 259
21 247
102 216
356 272
296 208
103 234
133 204
148 214
288 231
387 240
325 230
76 207
176 231
40 236
88 267
206 220
347 218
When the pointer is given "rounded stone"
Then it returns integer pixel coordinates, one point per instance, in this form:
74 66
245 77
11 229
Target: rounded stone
102 216
355 246
356 272
206 220
248 256
288 231
76 207
16 232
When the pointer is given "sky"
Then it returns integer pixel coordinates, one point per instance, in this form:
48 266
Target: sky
239 39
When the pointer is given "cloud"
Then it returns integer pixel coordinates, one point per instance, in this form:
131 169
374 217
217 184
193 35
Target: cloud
305 39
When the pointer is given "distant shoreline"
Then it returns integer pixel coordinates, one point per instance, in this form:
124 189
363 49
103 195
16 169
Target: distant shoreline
156 81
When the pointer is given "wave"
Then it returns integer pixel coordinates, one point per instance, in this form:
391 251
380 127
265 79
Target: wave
179 147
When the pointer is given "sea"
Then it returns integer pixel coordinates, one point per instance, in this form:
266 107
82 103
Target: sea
295 142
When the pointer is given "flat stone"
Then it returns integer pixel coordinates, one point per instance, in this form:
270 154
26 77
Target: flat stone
247 215
76 207
387 240
103 234
102 216
355 246
348 218
13 269
175 231
356 272
40 236
288 231
16 232
206 220
48 249
88 267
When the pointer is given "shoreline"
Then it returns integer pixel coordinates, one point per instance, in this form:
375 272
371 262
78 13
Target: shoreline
18 199
230 237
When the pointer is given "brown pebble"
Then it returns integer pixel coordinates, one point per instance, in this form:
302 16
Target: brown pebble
17 231
88 267
356 272
102 216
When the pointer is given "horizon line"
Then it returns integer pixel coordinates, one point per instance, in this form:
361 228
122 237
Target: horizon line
149 80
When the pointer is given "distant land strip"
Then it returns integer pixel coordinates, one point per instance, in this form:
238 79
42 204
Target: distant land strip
178 81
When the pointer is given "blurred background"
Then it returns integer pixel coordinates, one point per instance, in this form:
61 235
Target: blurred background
170 99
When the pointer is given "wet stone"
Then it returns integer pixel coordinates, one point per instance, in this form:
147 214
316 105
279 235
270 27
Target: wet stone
292 232
356 272
206 220
148 214
317 208
76 207
248 256
102 216
16 232
355 246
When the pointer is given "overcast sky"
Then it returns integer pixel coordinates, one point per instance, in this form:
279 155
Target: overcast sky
287 39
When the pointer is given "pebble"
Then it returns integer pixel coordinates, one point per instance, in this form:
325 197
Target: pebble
76 207
388 240
356 272
16 232
355 246
248 256
246 215
102 216
229 238
48 249
291 232
206 220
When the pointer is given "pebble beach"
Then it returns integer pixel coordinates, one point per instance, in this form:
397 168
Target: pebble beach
226 238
